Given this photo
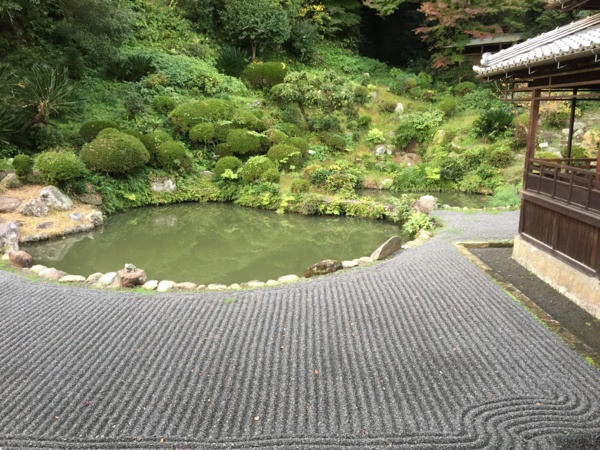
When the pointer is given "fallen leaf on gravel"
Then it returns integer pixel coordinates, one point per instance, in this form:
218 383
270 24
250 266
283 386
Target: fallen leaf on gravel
316 372
256 418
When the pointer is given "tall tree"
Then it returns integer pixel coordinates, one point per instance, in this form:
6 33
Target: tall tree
256 23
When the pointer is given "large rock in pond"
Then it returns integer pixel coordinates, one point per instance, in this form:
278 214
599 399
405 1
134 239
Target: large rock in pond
55 199
323 267
8 204
131 278
20 259
425 204
390 246
35 208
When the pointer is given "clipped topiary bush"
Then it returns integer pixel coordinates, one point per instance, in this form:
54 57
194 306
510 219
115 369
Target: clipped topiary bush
89 130
186 116
114 153
226 163
23 165
464 88
300 143
286 157
264 75
243 142
256 169
291 129
59 167
152 140
164 104
277 136
134 133
271 175
336 143
365 121
223 149
299 186
203 133
172 155
242 118
447 105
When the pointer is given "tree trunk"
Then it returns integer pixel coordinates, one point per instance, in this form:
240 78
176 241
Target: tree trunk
253 51
304 116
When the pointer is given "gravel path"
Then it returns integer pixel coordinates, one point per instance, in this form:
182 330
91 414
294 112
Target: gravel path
419 352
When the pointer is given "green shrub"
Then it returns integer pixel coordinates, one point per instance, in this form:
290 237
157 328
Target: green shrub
277 136
464 88
134 133
187 115
336 143
329 122
226 163
89 130
114 153
577 152
59 167
417 222
365 121
265 75
173 155
242 118
203 133
152 140
494 122
417 126
447 105
375 136
164 104
341 182
223 149
300 143
505 196
243 142
23 165
255 169
286 157
303 37
221 131
291 129
361 94
499 156
232 61
319 176
299 186
387 106
271 175
44 138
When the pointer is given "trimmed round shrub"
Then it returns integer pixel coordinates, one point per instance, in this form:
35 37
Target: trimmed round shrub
164 104
203 133
114 153
277 136
464 88
362 94
221 131
300 143
23 165
185 116
223 149
227 162
152 140
264 75
255 168
172 155
447 105
291 129
89 130
336 143
299 186
365 121
59 167
271 176
285 156
243 118
134 133
242 142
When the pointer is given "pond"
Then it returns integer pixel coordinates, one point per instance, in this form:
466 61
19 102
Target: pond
457 199
213 243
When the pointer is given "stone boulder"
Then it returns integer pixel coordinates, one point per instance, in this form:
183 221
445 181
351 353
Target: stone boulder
131 278
55 199
76 217
9 236
35 208
323 267
163 185
165 286
20 259
381 150
52 274
390 246
8 204
96 218
410 159
10 181
399 109
92 198
425 204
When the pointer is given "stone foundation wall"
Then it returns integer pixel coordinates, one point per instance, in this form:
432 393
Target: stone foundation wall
582 289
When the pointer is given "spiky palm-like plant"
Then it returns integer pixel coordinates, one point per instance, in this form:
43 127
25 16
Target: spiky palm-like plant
46 92
232 61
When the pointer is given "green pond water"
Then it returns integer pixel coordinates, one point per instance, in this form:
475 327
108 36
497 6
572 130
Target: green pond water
457 199
213 243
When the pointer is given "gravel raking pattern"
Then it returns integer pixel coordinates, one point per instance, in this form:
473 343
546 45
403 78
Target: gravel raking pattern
420 352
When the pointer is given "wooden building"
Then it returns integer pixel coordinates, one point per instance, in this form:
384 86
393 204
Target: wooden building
559 229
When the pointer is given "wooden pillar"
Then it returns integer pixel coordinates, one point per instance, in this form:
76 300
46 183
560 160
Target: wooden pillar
572 122
534 114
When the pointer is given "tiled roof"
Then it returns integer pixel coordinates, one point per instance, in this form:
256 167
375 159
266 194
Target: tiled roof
563 43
